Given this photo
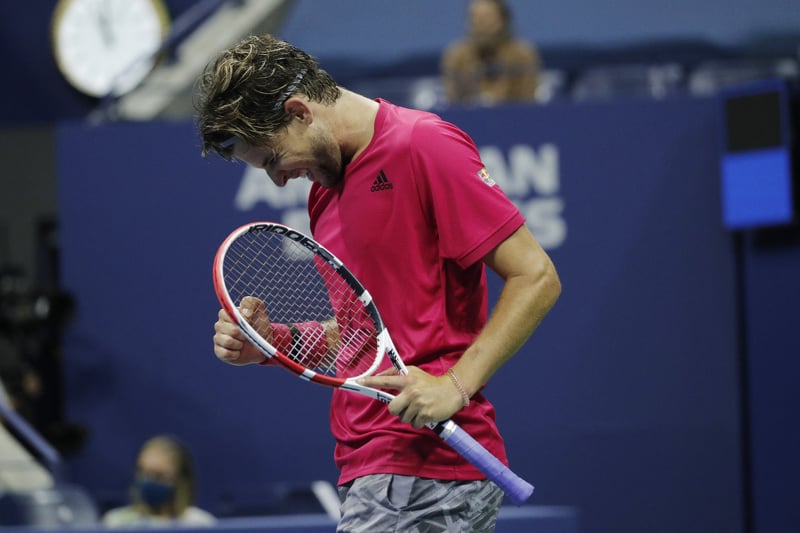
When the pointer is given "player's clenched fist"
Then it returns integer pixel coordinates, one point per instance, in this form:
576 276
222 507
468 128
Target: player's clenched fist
230 344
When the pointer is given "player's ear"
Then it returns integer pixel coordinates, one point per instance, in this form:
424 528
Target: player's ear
299 109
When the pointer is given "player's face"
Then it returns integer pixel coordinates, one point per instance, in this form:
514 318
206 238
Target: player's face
299 151
485 20
157 463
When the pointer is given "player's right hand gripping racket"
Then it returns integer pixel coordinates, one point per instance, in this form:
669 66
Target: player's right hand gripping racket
315 319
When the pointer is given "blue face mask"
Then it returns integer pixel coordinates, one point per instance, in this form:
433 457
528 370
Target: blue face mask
153 493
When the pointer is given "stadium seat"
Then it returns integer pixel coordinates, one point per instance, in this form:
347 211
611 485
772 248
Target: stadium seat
62 505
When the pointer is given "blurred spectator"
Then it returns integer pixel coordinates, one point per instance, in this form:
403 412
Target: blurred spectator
163 489
490 66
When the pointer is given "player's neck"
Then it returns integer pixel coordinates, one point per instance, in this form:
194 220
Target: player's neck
355 122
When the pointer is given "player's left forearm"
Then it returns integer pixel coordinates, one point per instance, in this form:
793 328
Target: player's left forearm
523 303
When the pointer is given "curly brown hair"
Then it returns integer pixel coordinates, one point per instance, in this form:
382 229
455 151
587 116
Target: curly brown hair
241 93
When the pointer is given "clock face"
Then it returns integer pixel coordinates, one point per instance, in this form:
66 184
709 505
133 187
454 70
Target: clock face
107 47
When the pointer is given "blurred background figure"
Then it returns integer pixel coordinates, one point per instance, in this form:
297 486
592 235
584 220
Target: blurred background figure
163 489
33 315
490 65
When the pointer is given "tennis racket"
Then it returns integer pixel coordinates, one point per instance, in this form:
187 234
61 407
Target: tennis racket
320 323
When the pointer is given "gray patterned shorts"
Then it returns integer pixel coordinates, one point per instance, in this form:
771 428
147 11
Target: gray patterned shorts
389 503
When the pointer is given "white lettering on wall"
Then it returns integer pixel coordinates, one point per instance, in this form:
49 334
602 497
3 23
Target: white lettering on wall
290 200
257 187
531 179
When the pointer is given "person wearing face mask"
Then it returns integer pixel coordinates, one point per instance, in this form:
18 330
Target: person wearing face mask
490 65
162 492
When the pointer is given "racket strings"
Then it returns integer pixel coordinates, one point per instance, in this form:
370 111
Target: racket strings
332 331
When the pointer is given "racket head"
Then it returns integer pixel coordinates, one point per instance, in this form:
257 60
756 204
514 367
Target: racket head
307 292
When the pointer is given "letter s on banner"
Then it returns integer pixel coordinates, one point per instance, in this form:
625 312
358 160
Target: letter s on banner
532 180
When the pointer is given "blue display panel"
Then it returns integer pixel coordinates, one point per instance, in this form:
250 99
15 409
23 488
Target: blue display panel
756 157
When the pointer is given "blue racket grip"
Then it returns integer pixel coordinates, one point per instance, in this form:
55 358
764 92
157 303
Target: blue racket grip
517 489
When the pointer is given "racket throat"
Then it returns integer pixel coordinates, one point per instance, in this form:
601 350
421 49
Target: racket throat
444 429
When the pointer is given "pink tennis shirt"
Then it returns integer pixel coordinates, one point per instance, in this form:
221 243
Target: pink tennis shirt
412 218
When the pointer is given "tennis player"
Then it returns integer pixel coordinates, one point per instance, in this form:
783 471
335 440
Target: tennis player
403 199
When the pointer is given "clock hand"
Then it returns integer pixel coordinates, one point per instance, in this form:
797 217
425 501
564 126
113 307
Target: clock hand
104 23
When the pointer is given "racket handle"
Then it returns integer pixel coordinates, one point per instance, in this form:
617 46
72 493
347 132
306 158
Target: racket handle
517 489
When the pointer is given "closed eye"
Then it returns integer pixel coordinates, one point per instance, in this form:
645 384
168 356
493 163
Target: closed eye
269 161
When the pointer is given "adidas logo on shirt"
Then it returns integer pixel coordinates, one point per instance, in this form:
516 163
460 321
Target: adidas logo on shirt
381 183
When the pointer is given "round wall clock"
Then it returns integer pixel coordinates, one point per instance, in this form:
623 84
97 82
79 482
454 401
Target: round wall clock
107 47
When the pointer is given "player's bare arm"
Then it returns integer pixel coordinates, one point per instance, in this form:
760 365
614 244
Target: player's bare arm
531 288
